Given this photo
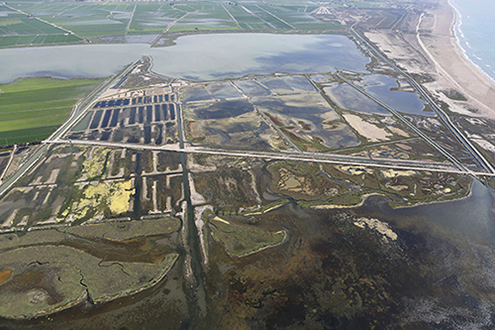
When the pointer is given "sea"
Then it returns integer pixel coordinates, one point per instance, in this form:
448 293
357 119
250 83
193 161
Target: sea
474 29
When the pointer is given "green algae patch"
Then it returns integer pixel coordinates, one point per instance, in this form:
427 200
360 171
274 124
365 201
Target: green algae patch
51 278
240 241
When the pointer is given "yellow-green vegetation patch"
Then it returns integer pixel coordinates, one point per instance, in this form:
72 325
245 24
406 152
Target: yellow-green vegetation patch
120 195
124 230
243 240
95 162
110 197
50 278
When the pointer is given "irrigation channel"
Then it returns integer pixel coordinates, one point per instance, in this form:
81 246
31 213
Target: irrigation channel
196 293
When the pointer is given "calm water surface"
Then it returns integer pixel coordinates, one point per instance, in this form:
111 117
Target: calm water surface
202 57
382 87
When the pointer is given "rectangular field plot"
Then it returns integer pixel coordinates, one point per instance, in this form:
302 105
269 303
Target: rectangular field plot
144 21
32 108
150 118
17 29
246 19
86 19
207 16
153 17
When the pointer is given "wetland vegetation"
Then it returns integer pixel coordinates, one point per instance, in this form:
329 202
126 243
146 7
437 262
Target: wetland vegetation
268 193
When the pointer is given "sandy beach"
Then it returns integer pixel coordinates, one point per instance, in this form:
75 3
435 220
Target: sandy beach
433 50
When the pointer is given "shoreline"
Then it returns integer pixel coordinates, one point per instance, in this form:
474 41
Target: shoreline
428 46
453 66
456 26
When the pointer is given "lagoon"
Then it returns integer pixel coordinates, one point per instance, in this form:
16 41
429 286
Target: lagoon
197 57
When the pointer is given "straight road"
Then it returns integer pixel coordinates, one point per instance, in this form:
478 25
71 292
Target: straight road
8 164
306 157
42 20
78 112
442 116
406 122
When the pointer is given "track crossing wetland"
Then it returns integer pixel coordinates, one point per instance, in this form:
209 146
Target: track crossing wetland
295 181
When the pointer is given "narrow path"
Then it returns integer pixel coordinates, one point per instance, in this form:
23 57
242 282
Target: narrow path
166 29
228 12
130 20
197 294
65 11
281 20
414 165
258 17
8 164
42 20
407 123
442 116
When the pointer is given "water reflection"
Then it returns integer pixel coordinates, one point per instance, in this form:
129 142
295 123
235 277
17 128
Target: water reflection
386 89
201 57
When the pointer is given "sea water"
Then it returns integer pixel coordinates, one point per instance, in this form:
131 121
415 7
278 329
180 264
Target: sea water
474 30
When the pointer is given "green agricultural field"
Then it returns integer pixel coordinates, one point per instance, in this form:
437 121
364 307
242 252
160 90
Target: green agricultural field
85 19
153 17
112 21
18 29
32 108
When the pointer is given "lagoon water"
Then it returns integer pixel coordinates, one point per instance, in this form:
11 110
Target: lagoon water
469 219
199 57
382 87
474 30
